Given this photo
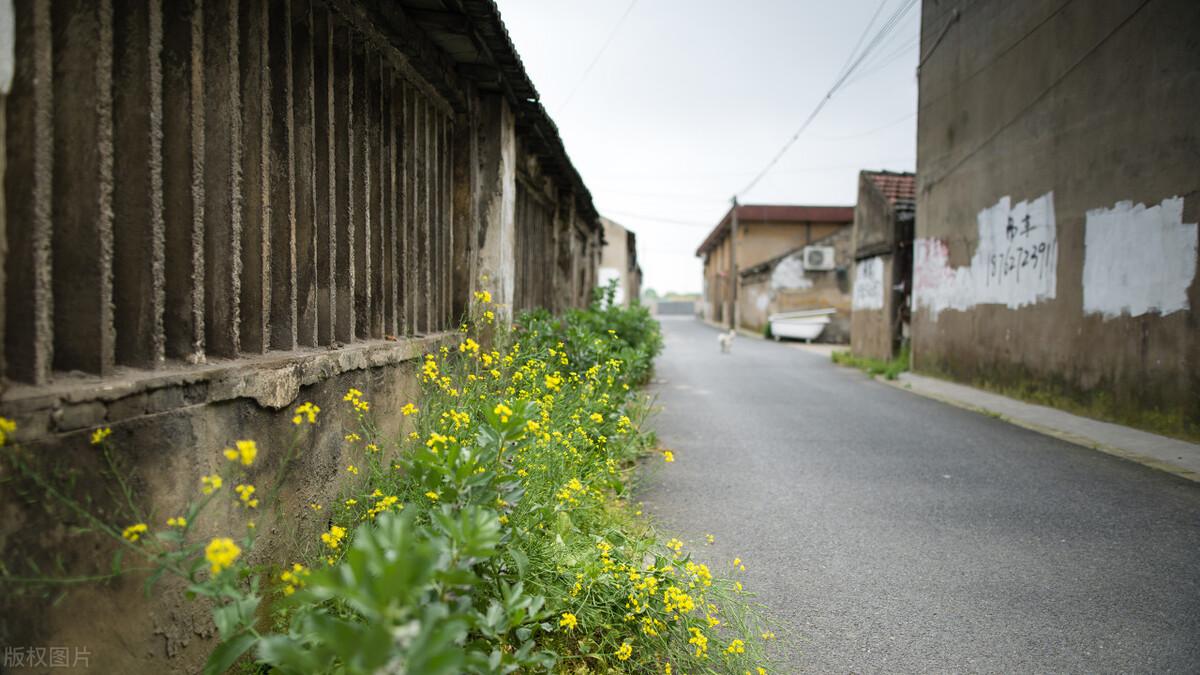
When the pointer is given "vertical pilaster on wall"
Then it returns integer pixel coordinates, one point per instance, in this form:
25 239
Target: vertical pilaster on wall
305 172
464 211
138 240
446 194
409 209
29 141
433 122
83 169
281 180
361 188
222 179
420 124
183 181
497 161
375 213
325 182
256 177
391 159
344 169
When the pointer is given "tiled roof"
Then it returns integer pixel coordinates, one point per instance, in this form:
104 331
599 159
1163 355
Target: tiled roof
776 213
894 186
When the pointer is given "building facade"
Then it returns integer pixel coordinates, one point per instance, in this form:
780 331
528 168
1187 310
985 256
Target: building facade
764 232
882 250
215 209
619 261
1057 202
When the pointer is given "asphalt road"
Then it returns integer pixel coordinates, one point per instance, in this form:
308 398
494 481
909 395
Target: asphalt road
886 532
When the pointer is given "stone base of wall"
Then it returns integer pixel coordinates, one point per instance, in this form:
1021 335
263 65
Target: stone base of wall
168 430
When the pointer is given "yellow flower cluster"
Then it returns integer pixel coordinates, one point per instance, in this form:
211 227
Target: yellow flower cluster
210 484
625 652
568 621
221 554
306 412
245 453
333 538
178 521
98 435
134 532
246 493
294 578
7 427
409 409
355 398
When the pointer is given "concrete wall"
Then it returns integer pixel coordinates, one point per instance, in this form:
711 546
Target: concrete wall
758 242
881 274
618 260
1079 123
784 285
213 211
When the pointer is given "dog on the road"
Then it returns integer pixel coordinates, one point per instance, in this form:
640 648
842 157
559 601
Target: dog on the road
726 341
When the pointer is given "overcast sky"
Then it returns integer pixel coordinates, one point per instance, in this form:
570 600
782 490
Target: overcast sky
692 98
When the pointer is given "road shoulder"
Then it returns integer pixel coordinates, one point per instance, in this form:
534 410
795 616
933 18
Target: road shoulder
1159 452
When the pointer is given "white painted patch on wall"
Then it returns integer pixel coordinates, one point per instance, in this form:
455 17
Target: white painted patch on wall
1015 262
609 274
868 284
789 274
1138 259
8 45
762 301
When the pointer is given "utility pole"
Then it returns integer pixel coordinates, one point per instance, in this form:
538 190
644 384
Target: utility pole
733 264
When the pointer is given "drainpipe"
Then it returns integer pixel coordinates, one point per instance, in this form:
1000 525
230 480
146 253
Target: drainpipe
736 281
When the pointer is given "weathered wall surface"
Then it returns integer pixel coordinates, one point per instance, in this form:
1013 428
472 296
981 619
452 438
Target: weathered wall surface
871 307
213 211
785 285
1056 236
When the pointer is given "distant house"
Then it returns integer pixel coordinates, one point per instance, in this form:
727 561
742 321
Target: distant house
771 233
883 236
618 260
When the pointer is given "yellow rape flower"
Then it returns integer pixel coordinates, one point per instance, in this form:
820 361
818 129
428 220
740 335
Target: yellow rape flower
7 426
246 492
306 412
333 538
409 409
596 417
433 496
502 411
246 452
220 553
668 456
352 469
179 521
134 532
736 647
483 296
99 435
294 578
210 484
568 620
625 652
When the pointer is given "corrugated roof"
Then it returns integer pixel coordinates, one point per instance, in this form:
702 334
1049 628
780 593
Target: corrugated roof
776 213
894 186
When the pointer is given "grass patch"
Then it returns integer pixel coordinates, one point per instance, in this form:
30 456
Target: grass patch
888 369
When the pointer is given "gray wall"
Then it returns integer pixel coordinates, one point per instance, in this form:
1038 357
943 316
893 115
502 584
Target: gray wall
1084 106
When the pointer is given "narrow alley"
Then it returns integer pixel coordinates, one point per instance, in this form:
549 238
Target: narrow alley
892 533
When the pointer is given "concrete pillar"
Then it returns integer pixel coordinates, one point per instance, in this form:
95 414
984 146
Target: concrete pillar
279 295
344 169
324 186
421 143
360 189
222 179
387 183
256 178
139 229
464 209
82 241
183 180
497 201
409 209
304 141
375 171
29 143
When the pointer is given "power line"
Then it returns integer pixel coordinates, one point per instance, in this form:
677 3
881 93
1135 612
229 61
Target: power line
888 26
596 59
670 221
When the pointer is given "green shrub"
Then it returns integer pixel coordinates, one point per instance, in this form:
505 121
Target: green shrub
495 537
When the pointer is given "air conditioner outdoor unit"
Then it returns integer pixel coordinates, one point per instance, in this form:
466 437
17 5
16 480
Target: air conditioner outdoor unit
818 258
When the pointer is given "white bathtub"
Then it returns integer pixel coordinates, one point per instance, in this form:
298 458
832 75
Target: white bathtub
806 325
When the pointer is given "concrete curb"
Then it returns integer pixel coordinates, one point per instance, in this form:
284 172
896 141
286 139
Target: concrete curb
1076 439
